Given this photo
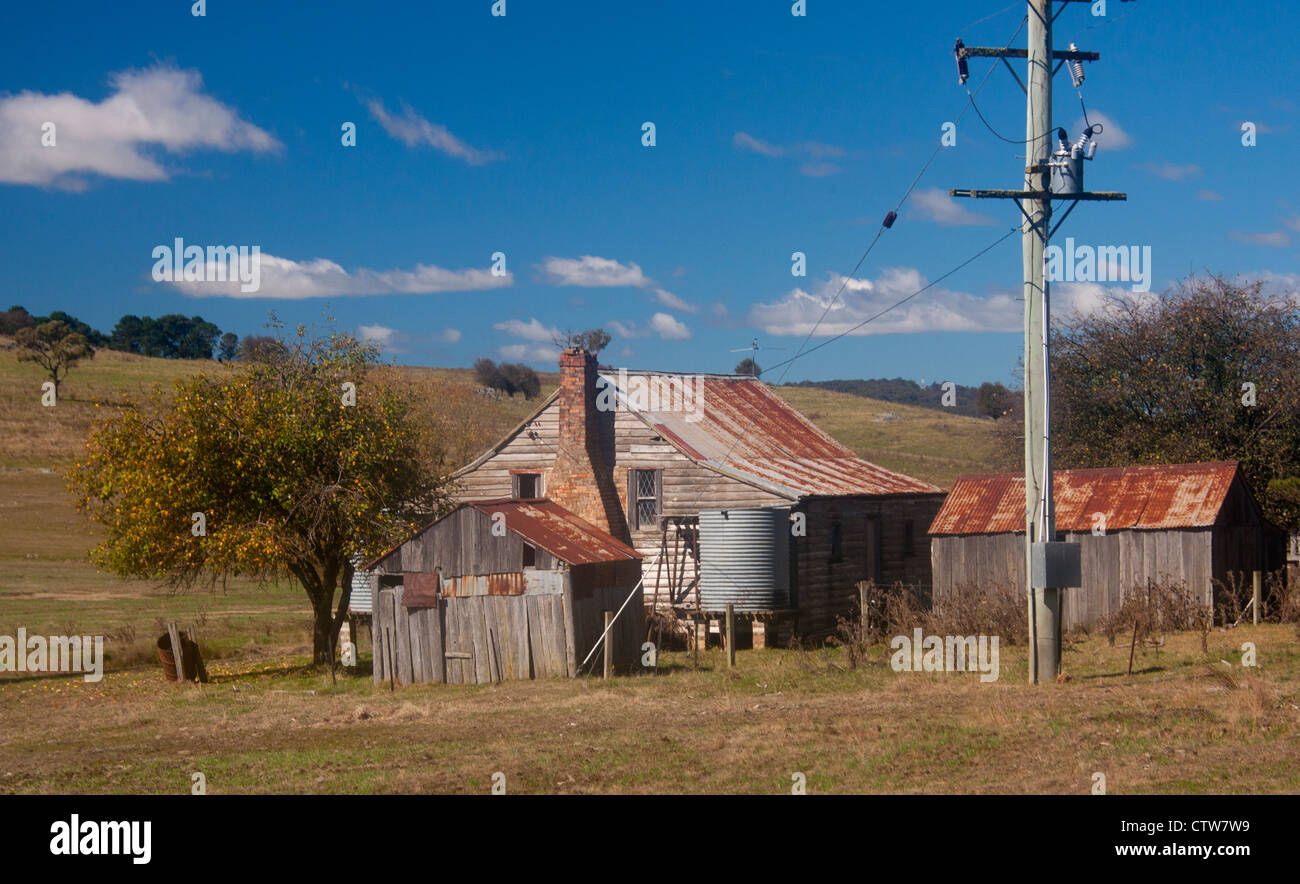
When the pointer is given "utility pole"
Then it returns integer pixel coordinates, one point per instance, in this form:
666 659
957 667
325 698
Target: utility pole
1050 566
1040 509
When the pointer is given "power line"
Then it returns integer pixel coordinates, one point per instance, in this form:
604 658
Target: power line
903 301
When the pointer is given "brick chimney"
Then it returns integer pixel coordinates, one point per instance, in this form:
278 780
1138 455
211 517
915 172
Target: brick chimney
582 479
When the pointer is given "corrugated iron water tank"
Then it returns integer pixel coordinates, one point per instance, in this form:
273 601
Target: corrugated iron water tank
745 558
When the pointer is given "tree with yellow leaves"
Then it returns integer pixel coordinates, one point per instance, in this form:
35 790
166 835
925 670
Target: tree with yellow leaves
290 465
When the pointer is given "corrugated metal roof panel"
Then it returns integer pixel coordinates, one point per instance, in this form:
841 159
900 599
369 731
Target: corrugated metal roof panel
560 532
740 426
1151 497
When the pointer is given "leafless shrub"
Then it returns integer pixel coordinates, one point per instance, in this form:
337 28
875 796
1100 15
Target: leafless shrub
1157 607
973 609
899 608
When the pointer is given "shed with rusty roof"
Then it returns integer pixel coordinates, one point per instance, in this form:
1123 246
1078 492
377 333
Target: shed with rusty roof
503 588
1194 524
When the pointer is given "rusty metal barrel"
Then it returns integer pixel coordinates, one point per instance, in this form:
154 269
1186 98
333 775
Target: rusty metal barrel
193 662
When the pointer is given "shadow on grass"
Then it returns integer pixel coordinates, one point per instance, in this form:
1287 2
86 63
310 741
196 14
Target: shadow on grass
1146 671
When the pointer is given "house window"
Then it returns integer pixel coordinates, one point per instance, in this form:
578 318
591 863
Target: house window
644 498
530 556
526 485
837 542
909 539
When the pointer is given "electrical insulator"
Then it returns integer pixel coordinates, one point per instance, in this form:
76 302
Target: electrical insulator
1076 69
890 219
963 70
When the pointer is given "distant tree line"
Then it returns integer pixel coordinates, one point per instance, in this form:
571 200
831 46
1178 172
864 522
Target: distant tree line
988 400
173 336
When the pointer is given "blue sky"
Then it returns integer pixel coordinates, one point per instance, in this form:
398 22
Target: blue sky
523 135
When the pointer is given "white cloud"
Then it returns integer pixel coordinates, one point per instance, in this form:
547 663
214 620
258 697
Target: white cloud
377 334
592 271
1209 196
669 328
1274 238
286 279
528 353
935 205
161 107
447 336
532 330
414 130
1112 137
938 309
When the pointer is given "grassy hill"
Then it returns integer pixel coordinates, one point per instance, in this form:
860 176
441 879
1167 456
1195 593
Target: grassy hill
48 585
933 445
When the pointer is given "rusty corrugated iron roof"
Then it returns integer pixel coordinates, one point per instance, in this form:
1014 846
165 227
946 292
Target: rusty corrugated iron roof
546 524
1151 497
739 426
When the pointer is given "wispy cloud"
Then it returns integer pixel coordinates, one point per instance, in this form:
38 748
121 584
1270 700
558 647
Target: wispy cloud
158 108
414 130
664 325
538 340
528 352
1209 195
397 341
935 205
939 309
1172 171
1112 137
592 271
286 279
532 330
745 141
815 153
1277 239
819 170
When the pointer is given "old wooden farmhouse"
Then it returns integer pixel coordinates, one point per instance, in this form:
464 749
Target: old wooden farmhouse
729 494
1188 523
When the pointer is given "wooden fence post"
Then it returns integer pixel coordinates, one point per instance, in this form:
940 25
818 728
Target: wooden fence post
178 656
609 644
1257 593
731 636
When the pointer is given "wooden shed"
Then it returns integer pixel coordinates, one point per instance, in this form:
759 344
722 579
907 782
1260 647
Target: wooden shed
1189 523
506 588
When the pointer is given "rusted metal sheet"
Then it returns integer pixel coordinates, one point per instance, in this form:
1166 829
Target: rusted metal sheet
551 527
1151 497
419 590
740 426
460 587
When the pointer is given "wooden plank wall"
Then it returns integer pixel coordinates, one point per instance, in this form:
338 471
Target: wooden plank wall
482 639
872 531
1112 564
463 544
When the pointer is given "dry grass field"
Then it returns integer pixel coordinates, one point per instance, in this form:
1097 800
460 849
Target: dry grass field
1183 722
267 725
